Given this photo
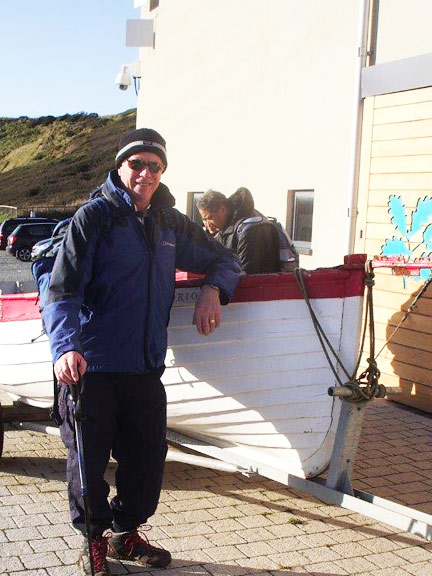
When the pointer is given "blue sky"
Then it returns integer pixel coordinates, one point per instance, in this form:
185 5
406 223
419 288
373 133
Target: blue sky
62 56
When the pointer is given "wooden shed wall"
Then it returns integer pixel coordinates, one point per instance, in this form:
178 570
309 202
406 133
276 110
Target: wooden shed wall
397 161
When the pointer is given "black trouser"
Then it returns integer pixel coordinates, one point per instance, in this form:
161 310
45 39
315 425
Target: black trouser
125 414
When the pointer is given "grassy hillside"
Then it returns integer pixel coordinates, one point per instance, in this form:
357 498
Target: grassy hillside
50 164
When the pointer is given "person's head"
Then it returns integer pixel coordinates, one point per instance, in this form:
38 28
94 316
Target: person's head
140 161
215 210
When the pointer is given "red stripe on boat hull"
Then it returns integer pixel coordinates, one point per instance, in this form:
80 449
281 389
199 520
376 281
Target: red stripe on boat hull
19 307
340 282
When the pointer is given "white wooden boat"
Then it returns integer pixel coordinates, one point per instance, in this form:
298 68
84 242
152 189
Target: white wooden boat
256 388
254 395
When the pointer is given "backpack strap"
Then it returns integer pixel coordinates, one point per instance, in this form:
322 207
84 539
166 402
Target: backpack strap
167 218
107 208
100 199
248 223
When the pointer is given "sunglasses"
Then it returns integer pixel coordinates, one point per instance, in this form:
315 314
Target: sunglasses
139 165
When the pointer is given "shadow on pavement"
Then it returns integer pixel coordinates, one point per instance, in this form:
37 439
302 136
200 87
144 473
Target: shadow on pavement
217 484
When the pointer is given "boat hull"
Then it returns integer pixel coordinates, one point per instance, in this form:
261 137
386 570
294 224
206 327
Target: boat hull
256 389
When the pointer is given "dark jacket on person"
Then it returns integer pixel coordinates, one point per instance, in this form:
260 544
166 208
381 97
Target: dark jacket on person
112 287
251 235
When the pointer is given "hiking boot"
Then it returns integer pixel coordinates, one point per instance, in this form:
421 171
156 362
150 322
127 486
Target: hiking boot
99 546
132 546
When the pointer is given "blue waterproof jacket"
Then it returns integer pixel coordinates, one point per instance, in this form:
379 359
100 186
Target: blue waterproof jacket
113 280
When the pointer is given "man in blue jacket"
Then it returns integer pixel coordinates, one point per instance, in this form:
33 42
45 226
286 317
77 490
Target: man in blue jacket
106 316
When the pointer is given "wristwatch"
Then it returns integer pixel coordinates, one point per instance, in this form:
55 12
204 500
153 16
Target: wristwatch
213 287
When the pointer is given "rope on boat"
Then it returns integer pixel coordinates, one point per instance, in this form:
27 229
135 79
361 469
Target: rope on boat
365 387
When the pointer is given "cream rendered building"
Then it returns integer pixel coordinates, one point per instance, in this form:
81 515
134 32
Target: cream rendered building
262 95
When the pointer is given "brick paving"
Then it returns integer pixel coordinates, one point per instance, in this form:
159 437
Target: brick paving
228 525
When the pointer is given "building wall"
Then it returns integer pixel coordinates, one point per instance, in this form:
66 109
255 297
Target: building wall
262 95
396 219
403 29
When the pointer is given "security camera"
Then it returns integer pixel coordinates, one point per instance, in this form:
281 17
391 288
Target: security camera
123 79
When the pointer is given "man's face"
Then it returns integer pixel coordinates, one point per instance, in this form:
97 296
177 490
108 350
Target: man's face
209 228
138 174
215 220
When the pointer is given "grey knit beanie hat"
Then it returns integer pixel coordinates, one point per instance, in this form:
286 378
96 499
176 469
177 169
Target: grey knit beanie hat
141 140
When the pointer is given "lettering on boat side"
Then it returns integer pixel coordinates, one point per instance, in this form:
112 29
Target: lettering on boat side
186 296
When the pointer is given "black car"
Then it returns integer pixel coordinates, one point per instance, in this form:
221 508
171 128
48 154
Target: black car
21 241
50 246
9 225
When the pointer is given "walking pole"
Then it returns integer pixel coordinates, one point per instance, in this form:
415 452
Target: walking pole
75 393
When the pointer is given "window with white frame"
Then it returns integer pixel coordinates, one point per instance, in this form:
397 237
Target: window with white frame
299 219
191 208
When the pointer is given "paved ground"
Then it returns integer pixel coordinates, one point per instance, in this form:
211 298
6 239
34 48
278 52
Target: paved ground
227 525
12 271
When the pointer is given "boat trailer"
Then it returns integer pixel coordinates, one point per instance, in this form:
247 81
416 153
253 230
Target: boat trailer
335 489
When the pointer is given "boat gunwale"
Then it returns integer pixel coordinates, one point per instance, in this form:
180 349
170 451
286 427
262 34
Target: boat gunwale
342 281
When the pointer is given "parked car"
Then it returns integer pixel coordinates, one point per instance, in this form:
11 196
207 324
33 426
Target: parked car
50 246
21 241
9 225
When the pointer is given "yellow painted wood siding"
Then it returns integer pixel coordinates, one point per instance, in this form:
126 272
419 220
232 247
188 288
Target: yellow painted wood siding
397 160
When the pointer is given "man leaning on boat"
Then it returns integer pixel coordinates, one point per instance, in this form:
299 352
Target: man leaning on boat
106 316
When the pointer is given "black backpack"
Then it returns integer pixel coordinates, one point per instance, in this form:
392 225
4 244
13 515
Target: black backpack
42 267
288 255
44 262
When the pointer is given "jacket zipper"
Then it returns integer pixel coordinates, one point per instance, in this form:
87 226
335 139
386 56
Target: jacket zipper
150 251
